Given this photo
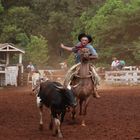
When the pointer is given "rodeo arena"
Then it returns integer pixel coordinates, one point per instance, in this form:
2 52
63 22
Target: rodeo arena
33 103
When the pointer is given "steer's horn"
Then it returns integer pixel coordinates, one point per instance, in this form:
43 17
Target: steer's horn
69 86
59 87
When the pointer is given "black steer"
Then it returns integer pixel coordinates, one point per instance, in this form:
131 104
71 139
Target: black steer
57 98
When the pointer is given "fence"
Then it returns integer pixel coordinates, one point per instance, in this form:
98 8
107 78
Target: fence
54 75
123 77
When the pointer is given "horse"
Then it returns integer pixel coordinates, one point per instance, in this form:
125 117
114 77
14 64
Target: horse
85 89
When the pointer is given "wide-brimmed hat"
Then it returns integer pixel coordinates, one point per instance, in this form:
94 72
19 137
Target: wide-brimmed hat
84 35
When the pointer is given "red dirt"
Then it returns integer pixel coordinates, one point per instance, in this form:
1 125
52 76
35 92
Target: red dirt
115 116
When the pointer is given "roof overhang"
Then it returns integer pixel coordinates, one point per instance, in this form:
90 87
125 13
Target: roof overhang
10 48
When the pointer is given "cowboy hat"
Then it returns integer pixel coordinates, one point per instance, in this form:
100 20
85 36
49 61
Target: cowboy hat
84 35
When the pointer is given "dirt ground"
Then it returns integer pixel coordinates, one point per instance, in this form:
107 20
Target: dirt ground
115 116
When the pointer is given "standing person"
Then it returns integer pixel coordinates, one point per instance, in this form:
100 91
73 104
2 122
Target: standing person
31 70
30 67
114 64
121 64
84 42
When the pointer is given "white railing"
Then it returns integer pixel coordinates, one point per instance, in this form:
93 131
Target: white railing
123 77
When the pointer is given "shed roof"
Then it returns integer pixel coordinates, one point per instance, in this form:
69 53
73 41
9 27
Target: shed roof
6 47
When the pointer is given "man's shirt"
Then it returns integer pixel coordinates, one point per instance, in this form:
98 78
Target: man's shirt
115 63
79 46
31 67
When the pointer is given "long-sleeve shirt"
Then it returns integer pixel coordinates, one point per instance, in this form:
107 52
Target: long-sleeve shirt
79 46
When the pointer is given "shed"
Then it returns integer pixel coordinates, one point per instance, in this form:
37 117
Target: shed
9 71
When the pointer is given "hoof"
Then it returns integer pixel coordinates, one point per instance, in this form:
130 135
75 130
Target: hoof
97 96
60 135
40 127
83 124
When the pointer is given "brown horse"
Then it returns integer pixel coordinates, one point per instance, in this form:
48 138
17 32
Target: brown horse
85 87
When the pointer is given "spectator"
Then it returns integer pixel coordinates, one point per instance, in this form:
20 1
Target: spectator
114 64
121 64
30 67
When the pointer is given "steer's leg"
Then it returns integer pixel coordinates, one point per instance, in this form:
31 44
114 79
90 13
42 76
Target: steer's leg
41 118
57 126
40 106
62 115
73 113
51 125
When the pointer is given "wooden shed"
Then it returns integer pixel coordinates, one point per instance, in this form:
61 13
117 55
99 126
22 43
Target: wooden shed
11 67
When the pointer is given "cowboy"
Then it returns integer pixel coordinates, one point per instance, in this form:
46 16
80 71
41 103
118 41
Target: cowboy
84 42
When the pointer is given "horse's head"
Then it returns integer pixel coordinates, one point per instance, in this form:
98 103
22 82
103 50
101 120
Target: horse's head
84 54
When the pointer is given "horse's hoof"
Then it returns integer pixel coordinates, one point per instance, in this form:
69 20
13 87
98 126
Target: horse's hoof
83 124
40 127
97 96
60 135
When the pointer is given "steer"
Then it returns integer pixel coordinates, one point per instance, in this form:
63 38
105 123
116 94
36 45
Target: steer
57 98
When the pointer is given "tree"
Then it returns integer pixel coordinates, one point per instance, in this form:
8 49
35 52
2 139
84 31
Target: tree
1 8
115 26
37 51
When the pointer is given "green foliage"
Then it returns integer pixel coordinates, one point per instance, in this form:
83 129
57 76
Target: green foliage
115 26
37 51
1 7
22 39
9 33
136 50
23 18
71 60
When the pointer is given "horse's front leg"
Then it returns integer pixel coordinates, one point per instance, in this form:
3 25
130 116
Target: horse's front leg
85 105
95 92
81 103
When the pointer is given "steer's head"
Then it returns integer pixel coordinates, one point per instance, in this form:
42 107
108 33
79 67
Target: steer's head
68 93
